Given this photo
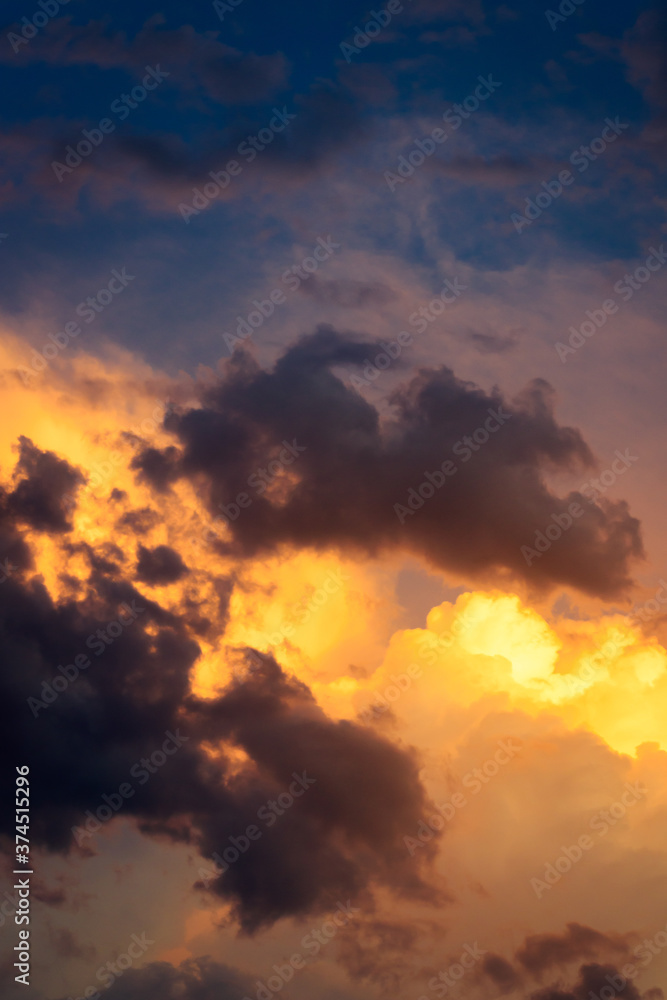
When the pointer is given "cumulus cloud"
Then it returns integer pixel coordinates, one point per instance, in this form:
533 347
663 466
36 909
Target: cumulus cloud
195 979
343 835
42 482
355 483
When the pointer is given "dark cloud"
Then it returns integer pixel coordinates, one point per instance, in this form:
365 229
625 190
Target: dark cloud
348 293
194 979
105 558
557 957
491 343
643 49
501 972
43 480
592 979
191 60
160 565
498 171
447 10
139 521
346 830
338 839
382 952
542 951
66 945
325 120
157 467
351 483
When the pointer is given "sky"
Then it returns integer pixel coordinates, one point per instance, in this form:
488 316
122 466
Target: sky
333 566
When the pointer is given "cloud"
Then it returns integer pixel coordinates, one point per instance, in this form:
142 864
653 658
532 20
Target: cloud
192 60
355 483
195 979
344 835
348 827
491 343
348 293
66 945
542 951
160 565
38 496
554 955
140 521
501 972
498 171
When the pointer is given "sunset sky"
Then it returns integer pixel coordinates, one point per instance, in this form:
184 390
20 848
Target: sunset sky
333 562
